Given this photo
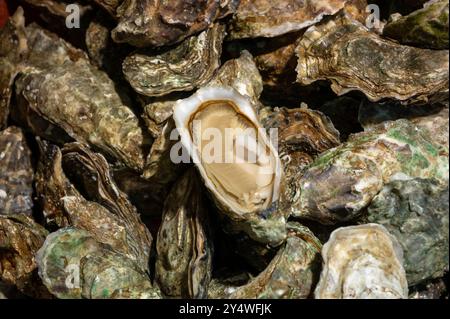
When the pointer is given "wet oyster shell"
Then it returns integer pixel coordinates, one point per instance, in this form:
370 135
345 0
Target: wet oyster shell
344 52
96 114
362 262
20 238
426 28
251 207
184 244
265 18
188 65
145 23
416 212
291 274
16 173
344 180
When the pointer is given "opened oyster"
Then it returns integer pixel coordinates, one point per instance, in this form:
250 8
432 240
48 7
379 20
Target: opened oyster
345 52
416 212
343 181
362 262
189 65
184 244
240 167
427 28
156 23
16 173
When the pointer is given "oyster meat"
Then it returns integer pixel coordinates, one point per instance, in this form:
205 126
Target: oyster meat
346 53
16 173
239 165
416 212
362 262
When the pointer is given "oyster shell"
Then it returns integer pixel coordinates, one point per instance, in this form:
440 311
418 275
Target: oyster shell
362 262
20 238
291 274
344 52
344 180
145 23
16 173
72 264
426 28
184 244
185 67
415 211
243 178
264 18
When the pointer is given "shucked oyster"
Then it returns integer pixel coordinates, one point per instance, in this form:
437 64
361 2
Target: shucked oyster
240 167
291 274
353 58
344 180
158 23
362 262
416 212
188 65
427 28
72 264
184 244
265 18
16 173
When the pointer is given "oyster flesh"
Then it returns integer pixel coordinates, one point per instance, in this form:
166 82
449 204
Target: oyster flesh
362 262
240 167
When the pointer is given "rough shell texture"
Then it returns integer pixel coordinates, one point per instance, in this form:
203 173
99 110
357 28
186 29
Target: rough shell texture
265 18
416 212
16 173
362 262
72 264
344 52
425 28
184 244
20 238
291 274
158 23
344 180
185 67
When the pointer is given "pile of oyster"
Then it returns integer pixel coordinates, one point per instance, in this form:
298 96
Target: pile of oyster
224 149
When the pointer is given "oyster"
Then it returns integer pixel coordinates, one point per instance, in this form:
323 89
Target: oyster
344 52
145 23
265 18
20 238
72 264
292 273
416 212
184 243
187 66
109 5
426 28
344 180
302 135
16 173
244 176
362 262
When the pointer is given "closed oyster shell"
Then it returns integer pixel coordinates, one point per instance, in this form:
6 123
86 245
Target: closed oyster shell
185 67
184 244
145 23
362 262
344 180
265 18
244 178
416 212
426 28
291 274
16 173
344 52
20 238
